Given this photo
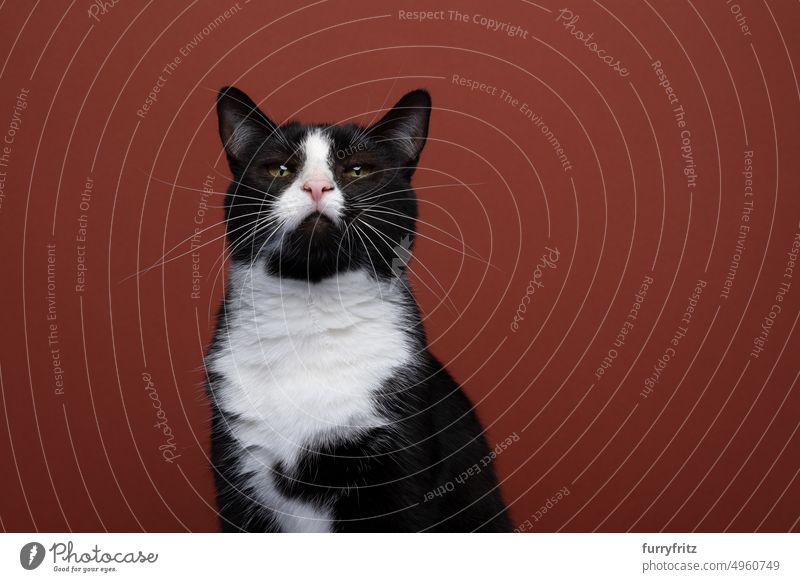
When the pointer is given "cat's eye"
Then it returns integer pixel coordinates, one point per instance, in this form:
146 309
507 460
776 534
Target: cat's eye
279 171
356 171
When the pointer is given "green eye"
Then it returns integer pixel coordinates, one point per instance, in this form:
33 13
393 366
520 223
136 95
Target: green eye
356 171
279 171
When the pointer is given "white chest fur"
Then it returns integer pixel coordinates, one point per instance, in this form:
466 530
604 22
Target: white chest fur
301 363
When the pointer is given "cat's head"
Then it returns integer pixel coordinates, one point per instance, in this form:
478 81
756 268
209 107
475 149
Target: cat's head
309 201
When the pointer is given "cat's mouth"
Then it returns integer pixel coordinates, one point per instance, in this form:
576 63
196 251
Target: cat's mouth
316 225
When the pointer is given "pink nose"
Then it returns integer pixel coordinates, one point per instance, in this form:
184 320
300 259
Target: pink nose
317 188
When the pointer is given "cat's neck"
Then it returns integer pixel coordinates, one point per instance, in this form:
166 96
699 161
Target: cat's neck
252 282
352 295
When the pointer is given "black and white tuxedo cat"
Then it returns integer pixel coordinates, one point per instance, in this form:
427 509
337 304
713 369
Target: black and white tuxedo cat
329 412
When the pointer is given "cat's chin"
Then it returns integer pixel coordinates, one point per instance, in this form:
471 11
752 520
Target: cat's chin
316 225
312 251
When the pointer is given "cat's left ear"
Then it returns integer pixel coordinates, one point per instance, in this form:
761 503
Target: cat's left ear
405 126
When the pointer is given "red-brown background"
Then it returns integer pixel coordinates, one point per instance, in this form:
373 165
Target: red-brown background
714 447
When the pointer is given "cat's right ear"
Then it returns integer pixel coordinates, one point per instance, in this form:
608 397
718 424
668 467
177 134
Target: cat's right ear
242 125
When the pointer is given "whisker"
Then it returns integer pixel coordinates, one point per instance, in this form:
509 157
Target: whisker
280 250
228 252
164 260
362 199
366 251
259 229
214 192
390 244
367 212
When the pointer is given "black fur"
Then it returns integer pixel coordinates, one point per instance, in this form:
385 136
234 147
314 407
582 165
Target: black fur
409 478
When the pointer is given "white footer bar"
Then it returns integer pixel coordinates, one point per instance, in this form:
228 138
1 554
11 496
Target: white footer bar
389 557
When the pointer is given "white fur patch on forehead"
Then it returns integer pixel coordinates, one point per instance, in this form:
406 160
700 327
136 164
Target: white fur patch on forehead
317 155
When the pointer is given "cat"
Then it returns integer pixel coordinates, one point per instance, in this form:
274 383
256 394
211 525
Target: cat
329 412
